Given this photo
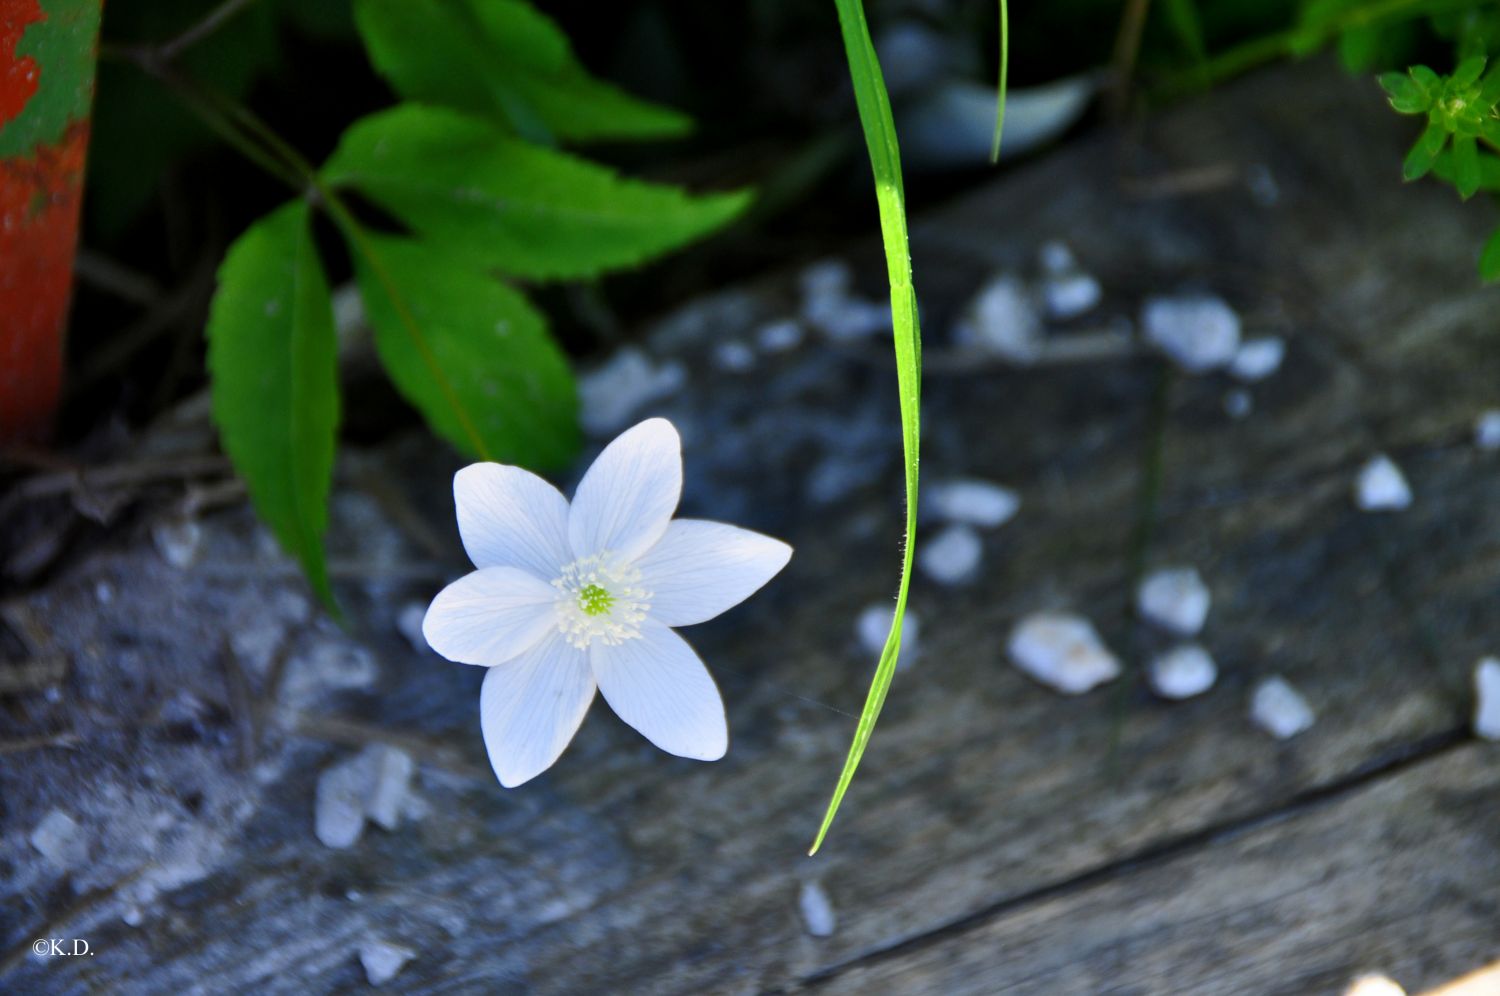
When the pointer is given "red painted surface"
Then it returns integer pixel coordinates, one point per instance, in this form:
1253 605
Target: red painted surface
40 195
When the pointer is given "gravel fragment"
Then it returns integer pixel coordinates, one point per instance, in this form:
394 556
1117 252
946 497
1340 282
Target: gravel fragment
60 840
1280 709
952 556
779 336
178 541
1258 358
1070 295
1487 430
1002 321
1199 332
1238 403
1381 487
1487 698
611 394
972 502
1174 598
734 356
1056 258
1062 651
817 909
382 960
875 622
372 784
1183 672
409 625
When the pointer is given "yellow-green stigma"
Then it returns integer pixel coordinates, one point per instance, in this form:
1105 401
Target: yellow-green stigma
595 601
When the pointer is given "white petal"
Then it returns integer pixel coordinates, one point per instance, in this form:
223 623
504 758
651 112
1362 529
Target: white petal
627 497
490 616
509 517
530 708
657 684
699 569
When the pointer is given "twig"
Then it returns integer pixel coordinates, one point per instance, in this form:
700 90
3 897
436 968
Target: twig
1127 47
212 21
115 277
38 743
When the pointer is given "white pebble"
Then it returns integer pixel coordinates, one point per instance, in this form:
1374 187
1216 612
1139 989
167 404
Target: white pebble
1183 672
133 916
1258 358
847 319
1238 403
1381 487
60 840
1487 698
382 960
1279 709
388 796
734 356
972 502
1487 430
817 909
1063 652
874 624
1002 321
1374 985
372 784
779 336
1071 295
104 592
952 556
178 541
1174 598
1199 332
612 393
826 278
1056 258
409 625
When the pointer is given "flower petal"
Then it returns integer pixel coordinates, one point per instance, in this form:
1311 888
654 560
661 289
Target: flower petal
490 616
699 569
657 684
530 708
509 517
627 497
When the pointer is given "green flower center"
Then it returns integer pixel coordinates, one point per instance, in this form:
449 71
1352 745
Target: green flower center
594 600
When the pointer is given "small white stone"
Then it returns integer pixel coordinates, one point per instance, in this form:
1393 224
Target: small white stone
817 909
104 592
1264 190
611 394
1071 295
1199 332
1056 258
779 336
133 916
1258 358
1279 709
342 798
409 625
734 356
178 541
972 502
1487 698
874 624
393 771
382 960
60 840
1003 321
1487 430
1183 672
827 278
1174 598
952 556
847 319
1062 651
1381 487
1238 403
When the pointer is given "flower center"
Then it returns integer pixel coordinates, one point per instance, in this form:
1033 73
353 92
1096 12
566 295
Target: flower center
600 598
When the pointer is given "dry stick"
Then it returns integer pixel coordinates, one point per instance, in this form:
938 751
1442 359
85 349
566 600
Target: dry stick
1127 47
212 21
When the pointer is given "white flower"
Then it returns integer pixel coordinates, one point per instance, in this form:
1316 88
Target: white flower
570 598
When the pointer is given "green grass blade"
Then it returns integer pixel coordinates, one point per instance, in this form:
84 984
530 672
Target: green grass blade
1004 75
885 161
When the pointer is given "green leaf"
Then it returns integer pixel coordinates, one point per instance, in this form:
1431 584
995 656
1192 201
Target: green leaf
469 352
1420 159
1429 81
1489 92
1489 258
1406 96
1468 71
1182 17
885 160
1465 166
505 60
272 356
528 211
1489 170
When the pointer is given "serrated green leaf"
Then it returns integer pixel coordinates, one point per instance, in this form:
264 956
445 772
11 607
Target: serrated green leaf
272 356
505 60
1468 71
1422 155
528 211
480 361
1405 95
1465 166
1489 258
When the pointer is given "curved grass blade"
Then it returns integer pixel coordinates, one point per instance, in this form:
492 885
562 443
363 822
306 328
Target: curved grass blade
885 161
1004 75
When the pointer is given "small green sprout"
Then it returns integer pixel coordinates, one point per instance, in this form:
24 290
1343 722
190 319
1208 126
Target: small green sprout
1460 107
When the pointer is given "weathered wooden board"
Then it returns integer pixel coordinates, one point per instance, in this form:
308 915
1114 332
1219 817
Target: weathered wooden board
1392 878
625 870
